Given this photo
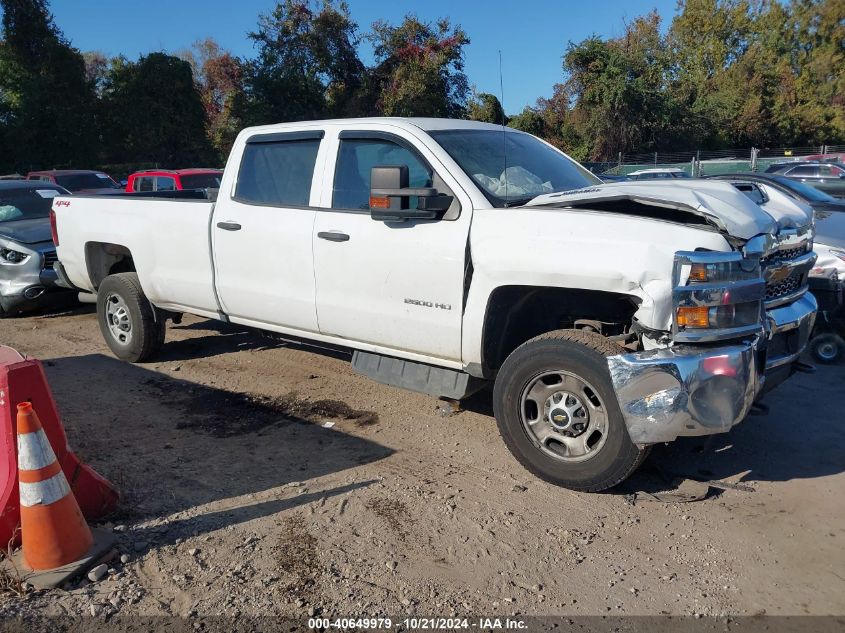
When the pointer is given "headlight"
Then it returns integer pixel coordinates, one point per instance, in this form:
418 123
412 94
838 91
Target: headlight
709 272
716 296
10 256
719 317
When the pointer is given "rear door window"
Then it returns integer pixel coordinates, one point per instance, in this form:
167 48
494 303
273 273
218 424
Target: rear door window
277 172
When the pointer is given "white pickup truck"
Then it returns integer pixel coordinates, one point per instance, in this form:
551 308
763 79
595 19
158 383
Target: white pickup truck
451 254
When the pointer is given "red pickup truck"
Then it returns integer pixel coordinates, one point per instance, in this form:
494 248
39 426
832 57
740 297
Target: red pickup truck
174 179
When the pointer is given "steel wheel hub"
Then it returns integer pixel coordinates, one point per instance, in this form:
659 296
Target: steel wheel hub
564 416
827 350
118 319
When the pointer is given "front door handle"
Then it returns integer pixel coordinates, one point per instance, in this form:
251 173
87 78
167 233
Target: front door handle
333 236
229 226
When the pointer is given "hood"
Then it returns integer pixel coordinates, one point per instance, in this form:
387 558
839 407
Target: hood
711 202
31 231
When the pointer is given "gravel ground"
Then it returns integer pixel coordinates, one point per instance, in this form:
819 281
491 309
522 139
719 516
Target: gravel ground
264 478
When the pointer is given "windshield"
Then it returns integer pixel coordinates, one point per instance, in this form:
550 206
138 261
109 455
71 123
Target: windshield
201 181
27 204
532 168
807 192
77 182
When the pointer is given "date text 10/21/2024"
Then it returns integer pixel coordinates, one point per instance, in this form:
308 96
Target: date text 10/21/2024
418 624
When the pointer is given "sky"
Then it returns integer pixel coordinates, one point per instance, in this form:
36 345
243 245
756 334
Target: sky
531 34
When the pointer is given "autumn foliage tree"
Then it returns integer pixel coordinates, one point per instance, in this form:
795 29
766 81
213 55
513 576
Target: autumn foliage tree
420 69
219 77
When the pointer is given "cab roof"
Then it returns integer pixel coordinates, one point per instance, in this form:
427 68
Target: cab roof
428 124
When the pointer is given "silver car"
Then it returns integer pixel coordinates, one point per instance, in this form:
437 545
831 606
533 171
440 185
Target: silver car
27 252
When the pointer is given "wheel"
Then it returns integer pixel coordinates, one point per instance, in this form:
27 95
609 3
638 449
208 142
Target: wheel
128 321
827 348
558 414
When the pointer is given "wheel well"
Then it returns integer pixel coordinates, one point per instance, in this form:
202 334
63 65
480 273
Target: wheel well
518 313
104 259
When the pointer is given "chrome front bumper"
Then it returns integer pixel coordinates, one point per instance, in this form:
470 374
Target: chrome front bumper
689 390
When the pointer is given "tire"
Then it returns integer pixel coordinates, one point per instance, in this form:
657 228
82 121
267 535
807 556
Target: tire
129 323
602 455
828 349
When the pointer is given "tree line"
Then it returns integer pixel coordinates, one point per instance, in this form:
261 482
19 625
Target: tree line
725 73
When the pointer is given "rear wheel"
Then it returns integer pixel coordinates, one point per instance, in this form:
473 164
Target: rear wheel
558 414
129 323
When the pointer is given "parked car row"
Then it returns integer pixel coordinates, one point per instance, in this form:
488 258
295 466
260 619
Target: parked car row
27 252
825 172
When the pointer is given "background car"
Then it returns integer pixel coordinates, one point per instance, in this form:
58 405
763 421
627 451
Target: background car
174 179
827 177
77 180
657 173
818 200
836 157
27 253
613 178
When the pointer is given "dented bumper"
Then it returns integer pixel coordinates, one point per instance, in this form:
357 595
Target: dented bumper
689 390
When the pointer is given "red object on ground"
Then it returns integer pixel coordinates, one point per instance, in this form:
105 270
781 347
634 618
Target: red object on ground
23 380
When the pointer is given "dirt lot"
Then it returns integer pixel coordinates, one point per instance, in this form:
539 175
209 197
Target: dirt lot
238 500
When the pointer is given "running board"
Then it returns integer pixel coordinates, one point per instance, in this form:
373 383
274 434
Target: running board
434 381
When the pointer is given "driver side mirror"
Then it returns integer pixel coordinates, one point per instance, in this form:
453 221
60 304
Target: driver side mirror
390 196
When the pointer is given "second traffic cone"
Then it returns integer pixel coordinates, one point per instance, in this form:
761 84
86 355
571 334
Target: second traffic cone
53 531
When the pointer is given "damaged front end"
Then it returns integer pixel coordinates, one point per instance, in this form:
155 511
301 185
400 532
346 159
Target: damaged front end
740 321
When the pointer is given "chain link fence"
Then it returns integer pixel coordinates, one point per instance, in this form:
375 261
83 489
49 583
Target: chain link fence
698 163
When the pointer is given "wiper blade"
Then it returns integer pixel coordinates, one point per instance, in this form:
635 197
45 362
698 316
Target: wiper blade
518 202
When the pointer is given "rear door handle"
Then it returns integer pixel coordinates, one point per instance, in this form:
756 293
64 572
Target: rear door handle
229 226
333 236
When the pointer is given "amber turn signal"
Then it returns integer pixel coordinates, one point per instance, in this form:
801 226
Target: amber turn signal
379 203
693 316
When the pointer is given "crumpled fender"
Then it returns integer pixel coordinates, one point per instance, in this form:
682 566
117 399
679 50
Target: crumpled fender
576 248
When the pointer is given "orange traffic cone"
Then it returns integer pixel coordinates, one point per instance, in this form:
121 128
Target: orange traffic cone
53 531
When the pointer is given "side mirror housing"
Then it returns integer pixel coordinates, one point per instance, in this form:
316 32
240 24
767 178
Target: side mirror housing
390 196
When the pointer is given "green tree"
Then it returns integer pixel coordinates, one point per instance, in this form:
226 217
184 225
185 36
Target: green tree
307 65
46 101
154 113
810 105
420 68
706 37
483 106
616 88
529 120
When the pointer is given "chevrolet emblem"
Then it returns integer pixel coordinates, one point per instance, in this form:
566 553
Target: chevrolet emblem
779 274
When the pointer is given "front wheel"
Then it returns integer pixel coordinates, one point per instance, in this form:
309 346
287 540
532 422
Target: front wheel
558 414
128 321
